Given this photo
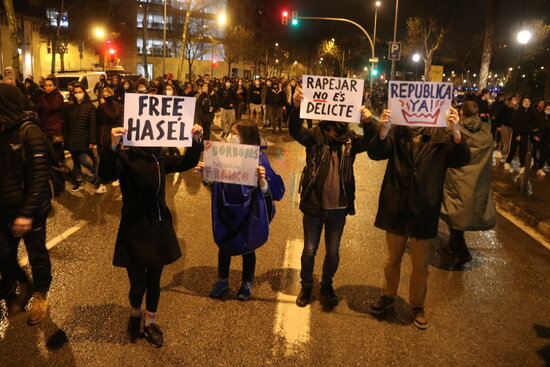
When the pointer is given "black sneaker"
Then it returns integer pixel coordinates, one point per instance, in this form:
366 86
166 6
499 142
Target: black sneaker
419 318
382 305
77 187
328 297
153 334
304 298
134 328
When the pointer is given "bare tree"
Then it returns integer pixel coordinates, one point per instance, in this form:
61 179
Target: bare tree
14 36
491 8
426 34
235 42
192 7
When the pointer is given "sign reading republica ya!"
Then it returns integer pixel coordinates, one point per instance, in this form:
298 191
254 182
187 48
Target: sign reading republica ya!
419 103
332 99
231 163
158 121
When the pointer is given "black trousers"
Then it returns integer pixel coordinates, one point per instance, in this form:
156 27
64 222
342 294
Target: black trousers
249 266
145 279
522 144
540 147
39 258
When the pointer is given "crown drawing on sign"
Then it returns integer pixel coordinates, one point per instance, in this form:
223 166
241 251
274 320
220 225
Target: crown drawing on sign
414 118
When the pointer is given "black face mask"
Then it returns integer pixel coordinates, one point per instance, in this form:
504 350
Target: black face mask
109 99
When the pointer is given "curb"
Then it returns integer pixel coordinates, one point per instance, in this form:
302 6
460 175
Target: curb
542 227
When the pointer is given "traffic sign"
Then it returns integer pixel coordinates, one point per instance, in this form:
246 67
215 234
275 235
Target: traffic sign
373 59
394 51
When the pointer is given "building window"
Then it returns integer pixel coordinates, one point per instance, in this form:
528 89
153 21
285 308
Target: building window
154 47
141 71
154 21
53 15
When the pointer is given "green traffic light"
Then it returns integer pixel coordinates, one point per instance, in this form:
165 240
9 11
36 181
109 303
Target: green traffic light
294 21
374 72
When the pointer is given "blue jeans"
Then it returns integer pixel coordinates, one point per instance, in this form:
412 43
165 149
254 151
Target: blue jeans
84 159
334 222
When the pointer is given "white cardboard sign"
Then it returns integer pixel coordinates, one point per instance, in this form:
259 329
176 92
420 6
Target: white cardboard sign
419 103
231 163
158 121
332 99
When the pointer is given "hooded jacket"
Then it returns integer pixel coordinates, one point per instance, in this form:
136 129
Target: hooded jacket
50 107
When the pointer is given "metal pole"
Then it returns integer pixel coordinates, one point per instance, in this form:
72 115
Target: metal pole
164 43
373 45
212 63
266 69
392 77
343 60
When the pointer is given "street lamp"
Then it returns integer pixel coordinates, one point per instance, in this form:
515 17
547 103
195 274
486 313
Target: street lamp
524 36
416 57
378 3
99 33
222 19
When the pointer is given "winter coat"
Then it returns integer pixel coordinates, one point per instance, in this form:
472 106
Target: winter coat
242 97
255 94
227 98
145 234
109 115
412 190
523 121
50 110
467 200
202 109
542 127
275 98
241 214
24 185
318 159
80 127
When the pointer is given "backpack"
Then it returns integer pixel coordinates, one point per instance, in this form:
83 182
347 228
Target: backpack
57 173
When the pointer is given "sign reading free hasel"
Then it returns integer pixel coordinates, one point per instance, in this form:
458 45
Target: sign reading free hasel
231 163
331 99
419 103
158 121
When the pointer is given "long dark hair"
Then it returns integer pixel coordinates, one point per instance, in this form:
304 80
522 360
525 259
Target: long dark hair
248 132
86 96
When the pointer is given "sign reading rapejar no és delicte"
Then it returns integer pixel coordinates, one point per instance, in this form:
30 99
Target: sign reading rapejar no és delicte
158 121
331 99
419 103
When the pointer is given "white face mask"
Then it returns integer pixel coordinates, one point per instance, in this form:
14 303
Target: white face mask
169 92
257 84
142 90
227 85
233 139
526 105
79 96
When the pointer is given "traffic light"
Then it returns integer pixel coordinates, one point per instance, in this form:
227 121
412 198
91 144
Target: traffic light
374 72
214 63
294 18
285 17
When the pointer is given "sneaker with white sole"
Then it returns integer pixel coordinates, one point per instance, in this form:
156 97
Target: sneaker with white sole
77 187
115 183
541 172
419 318
498 155
507 166
101 189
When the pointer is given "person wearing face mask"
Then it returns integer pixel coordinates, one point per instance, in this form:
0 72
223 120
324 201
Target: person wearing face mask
50 110
189 91
255 98
276 98
523 122
228 99
241 214
109 116
541 139
242 97
127 87
142 86
207 106
410 200
156 88
169 90
100 85
117 88
505 119
265 89
327 192
80 136
146 240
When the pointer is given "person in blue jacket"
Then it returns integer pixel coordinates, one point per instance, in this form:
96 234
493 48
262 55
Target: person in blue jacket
241 214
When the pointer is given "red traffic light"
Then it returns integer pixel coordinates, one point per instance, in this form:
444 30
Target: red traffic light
112 51
285 13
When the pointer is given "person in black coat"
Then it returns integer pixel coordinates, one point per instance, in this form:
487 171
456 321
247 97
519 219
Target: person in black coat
146 240
410 200
327 192
228 99
541 139
24 204
523 123
80 135
207 105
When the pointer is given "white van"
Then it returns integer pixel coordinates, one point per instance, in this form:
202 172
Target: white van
87 79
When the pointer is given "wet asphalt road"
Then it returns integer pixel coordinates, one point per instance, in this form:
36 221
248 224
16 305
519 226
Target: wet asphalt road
493 312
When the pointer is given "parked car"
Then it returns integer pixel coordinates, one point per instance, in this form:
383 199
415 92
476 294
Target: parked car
87 79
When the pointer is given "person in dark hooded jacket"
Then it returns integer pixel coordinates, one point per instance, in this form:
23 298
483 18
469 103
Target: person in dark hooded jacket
50 109
410 200
24 204
327 193
146 240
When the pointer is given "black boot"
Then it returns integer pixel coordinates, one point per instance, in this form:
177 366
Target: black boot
304 298
328 297
134 328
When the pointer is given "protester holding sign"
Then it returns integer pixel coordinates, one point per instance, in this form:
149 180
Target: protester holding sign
327 191
410 199
146 240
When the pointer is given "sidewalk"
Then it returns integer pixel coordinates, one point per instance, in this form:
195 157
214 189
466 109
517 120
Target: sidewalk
532 209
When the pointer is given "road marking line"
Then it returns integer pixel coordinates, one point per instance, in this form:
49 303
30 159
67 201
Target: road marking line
175 178
53 242
292 323
525 228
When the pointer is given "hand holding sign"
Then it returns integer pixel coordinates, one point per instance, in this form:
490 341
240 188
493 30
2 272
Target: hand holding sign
298 96
197 132
366 115
116 135
453 122
385 121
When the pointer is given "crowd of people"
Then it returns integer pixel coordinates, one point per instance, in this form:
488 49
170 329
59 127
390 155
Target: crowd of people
432 173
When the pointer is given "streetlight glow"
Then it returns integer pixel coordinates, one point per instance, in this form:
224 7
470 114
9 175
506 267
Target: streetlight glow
416 57
99 32
222 19
378 3
524 37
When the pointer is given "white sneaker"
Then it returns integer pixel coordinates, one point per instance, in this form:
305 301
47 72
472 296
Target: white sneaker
101 189
541 172
507 166
115 183
498 155
521 170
